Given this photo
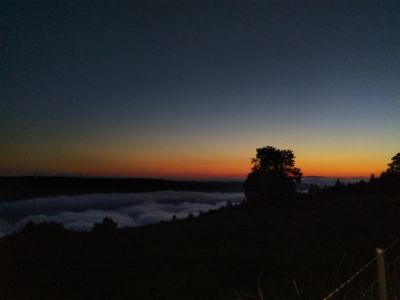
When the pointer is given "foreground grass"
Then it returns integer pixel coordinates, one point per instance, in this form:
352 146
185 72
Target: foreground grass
216 256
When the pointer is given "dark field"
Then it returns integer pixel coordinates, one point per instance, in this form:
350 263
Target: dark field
210 257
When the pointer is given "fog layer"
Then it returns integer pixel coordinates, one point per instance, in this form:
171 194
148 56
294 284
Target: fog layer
136 209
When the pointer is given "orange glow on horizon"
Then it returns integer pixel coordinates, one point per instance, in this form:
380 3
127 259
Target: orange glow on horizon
203 164
201 170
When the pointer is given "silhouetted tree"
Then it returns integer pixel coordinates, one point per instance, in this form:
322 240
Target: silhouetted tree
106 225
273 175
372 179
389 182
338 183
339 186
394 166
313 189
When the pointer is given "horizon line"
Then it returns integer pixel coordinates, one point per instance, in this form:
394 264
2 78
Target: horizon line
172 178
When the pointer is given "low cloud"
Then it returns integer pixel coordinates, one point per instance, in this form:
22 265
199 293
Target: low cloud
134 209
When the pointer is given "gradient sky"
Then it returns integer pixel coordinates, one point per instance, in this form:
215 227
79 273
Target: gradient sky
189 89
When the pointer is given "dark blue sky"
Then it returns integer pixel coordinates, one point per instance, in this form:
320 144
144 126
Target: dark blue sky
112 82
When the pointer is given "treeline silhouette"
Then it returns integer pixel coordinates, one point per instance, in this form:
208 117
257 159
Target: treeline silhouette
388 183
274 177
18 188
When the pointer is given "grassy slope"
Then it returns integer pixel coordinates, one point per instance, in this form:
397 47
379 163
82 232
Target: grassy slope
204 258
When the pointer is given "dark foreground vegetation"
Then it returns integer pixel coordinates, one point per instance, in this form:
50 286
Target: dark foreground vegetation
209 257
315 240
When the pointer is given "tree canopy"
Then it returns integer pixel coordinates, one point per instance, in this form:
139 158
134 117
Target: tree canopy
273 175
108 225
394 166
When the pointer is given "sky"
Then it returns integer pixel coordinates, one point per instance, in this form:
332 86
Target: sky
190 89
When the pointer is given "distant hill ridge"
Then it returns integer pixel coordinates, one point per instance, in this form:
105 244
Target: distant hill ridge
25 187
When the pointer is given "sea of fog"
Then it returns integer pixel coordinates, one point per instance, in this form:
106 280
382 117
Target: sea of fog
134 209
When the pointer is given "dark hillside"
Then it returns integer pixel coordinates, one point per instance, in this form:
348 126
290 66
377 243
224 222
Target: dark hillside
204 258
